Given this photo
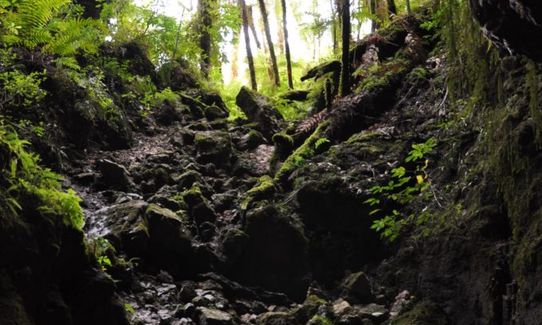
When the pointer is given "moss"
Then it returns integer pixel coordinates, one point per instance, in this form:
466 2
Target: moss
423 313
301 154
379 76
264 188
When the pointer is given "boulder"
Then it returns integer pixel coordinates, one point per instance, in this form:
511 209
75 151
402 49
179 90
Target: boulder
170 239
275 256
114 176
357 288
259 109
209 316
213 147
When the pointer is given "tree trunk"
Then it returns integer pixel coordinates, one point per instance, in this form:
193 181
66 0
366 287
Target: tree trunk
375 25
205 40
250 18
250 59
287 46
392 8
334 26
345 60
409 10
270 42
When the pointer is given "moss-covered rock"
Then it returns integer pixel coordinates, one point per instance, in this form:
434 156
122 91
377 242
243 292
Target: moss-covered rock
213 147
260 110
423 313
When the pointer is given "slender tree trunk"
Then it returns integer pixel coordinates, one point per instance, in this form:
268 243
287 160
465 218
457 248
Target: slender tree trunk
345 60
250 18
250 59
270 42
408 9
334 26
392 8
205 40
375 25
287 45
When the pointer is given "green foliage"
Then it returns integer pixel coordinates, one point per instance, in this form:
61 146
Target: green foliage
22 176
101 249
404 188
55 26
158 98
21 90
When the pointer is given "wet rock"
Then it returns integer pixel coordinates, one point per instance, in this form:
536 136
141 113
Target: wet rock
259 109
276 256
114 176
128 230
213 147
210 316
357 288
170 239
187 292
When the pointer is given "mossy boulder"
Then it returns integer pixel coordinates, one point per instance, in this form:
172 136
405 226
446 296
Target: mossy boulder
423 313
213 147
260 110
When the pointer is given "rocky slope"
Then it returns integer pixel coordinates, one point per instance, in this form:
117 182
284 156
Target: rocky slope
193 219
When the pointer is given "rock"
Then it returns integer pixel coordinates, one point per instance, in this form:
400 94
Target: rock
512 25
423 313
214 112
276 256
402 300
187 179
251 140
234 244
210 316
375 312
213 147
258 109
276 318
357 288
168 113
187 292
114 176
128 230
340 307
170 240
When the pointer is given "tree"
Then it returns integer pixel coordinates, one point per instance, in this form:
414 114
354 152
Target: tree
272 55
250 58
409 10
392 8
345 59
205 39
375 25
287 46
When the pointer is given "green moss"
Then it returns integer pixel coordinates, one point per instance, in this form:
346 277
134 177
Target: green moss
263 188
423 313
379 76
301 154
